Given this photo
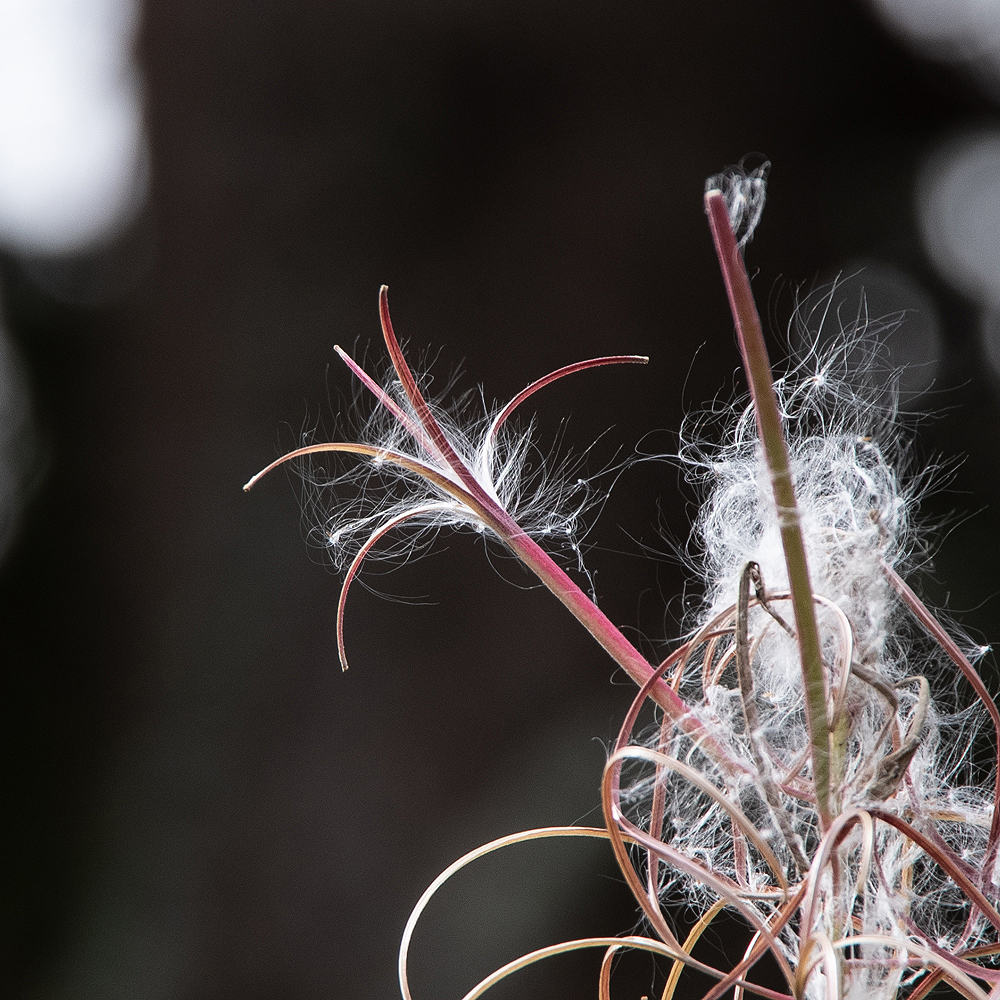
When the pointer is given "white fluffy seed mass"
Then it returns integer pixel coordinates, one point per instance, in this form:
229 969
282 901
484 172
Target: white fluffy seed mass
894 746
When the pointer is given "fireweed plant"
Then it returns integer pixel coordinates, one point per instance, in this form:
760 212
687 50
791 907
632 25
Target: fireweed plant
799 771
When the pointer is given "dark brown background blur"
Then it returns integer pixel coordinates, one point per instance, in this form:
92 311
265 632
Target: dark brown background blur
197 803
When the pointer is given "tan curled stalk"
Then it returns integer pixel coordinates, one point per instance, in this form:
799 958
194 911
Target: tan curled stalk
541 833
670 949
772 437
689 942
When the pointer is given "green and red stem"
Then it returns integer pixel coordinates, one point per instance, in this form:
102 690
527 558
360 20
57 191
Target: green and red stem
772 437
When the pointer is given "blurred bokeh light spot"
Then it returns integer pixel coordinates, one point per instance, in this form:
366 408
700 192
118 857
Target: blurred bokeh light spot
937 25
958 204
964 32
72 151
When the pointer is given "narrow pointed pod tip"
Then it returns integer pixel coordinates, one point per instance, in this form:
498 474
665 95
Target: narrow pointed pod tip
425 415
432 475
389 403
354 568
578 366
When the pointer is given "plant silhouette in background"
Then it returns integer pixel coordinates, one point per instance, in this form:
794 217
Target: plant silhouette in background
799 771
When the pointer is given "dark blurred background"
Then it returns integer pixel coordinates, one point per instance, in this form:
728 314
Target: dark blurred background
196 202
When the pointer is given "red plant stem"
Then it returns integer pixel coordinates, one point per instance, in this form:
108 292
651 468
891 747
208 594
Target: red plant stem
772 437
537 560
472 495
604 631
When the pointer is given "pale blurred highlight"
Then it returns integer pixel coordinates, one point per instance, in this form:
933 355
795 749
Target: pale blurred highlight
72 148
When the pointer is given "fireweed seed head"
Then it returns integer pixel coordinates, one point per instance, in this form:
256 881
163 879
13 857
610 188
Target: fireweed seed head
894 747
858 486
417 466
900 750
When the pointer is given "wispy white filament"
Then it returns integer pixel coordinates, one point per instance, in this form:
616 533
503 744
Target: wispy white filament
745 192
346 501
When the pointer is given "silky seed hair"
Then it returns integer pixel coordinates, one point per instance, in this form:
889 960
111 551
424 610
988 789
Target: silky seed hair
545 490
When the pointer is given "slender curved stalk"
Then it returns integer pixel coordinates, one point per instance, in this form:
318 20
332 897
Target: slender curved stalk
577 366
352 570
772 437
689 942
541 833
